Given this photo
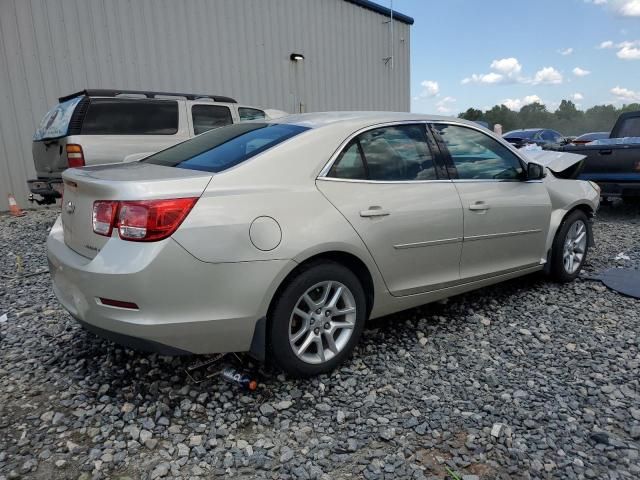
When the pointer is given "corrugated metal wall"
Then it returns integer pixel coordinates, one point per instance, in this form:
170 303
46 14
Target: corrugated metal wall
239 48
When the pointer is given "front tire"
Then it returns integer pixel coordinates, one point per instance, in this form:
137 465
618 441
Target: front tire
570 247
317 319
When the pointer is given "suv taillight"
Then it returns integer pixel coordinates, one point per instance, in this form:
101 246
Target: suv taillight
141 220
75 157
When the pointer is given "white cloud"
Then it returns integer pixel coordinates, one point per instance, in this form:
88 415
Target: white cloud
625 94
566 51
629 51
547 75
579 72
488 78
444 105
429 89
504 70
578 96
507 66
628 8
596 2
517 103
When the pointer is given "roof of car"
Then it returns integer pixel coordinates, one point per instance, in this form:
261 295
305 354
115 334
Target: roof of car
361 119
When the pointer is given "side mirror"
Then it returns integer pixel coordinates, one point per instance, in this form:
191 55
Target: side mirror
535 171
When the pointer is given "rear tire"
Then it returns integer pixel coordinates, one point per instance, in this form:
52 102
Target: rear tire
317 319
570 247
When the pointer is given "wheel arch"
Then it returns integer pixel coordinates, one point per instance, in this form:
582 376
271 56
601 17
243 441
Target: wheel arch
347 259
587 210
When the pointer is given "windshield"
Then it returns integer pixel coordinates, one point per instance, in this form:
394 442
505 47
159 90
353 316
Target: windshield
225 147
521 134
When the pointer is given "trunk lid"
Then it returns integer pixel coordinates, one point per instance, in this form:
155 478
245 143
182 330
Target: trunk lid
133 181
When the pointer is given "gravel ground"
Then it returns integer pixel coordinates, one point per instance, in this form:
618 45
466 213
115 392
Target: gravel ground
527 379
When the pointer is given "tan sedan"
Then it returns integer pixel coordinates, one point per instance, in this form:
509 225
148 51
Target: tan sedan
282 238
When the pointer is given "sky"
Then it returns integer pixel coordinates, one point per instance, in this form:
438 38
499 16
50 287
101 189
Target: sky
470 53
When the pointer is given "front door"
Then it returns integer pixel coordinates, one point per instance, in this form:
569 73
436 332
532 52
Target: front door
506 217
386 184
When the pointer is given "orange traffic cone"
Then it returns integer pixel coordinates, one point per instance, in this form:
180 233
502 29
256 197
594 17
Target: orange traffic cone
14 209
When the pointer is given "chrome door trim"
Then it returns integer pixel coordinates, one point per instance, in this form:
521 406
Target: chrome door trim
501 235
429 243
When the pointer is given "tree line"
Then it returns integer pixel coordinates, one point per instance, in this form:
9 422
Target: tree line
567 119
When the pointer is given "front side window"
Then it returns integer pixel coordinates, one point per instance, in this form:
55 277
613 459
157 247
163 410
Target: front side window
394 153
477 156
246 113
225 147
630 128
117 116
208 117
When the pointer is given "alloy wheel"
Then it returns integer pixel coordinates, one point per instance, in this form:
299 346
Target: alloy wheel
575 245
322 322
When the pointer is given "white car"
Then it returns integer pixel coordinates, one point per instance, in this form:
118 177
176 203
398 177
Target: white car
93 127
283 237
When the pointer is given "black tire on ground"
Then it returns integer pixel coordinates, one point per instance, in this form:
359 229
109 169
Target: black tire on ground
557 268
279 347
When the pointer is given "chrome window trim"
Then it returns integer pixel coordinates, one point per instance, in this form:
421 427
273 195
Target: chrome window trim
327 167
379 182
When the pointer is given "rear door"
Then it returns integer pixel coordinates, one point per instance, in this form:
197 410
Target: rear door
506 217
390 184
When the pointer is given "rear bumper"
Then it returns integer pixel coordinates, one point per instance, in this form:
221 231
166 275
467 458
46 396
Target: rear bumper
184 305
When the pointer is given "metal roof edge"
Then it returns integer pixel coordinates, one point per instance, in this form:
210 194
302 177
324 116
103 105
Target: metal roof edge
382 10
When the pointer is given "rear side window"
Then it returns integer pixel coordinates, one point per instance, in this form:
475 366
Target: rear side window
246 113
225 147
396 153
116 116
208 117
630 128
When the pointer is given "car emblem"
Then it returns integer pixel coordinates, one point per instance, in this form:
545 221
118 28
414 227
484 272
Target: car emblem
70 207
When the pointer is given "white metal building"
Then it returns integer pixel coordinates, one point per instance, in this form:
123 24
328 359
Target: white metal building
355 58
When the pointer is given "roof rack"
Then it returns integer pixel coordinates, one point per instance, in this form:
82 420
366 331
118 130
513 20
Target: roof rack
147 94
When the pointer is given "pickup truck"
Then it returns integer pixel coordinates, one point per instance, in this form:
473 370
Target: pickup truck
613 163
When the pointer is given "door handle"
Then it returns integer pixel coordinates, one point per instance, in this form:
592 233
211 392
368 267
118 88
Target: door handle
605 152
374 211
479 207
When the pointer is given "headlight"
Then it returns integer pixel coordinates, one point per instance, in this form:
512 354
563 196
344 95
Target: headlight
595 186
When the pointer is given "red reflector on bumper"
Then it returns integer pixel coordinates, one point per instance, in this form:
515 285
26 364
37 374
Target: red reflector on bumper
118 303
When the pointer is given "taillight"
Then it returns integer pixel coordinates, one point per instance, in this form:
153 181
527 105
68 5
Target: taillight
75 157
104 213
141 220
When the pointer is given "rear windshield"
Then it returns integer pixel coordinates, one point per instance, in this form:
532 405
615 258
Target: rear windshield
117 116
521 134
225 147
55 123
